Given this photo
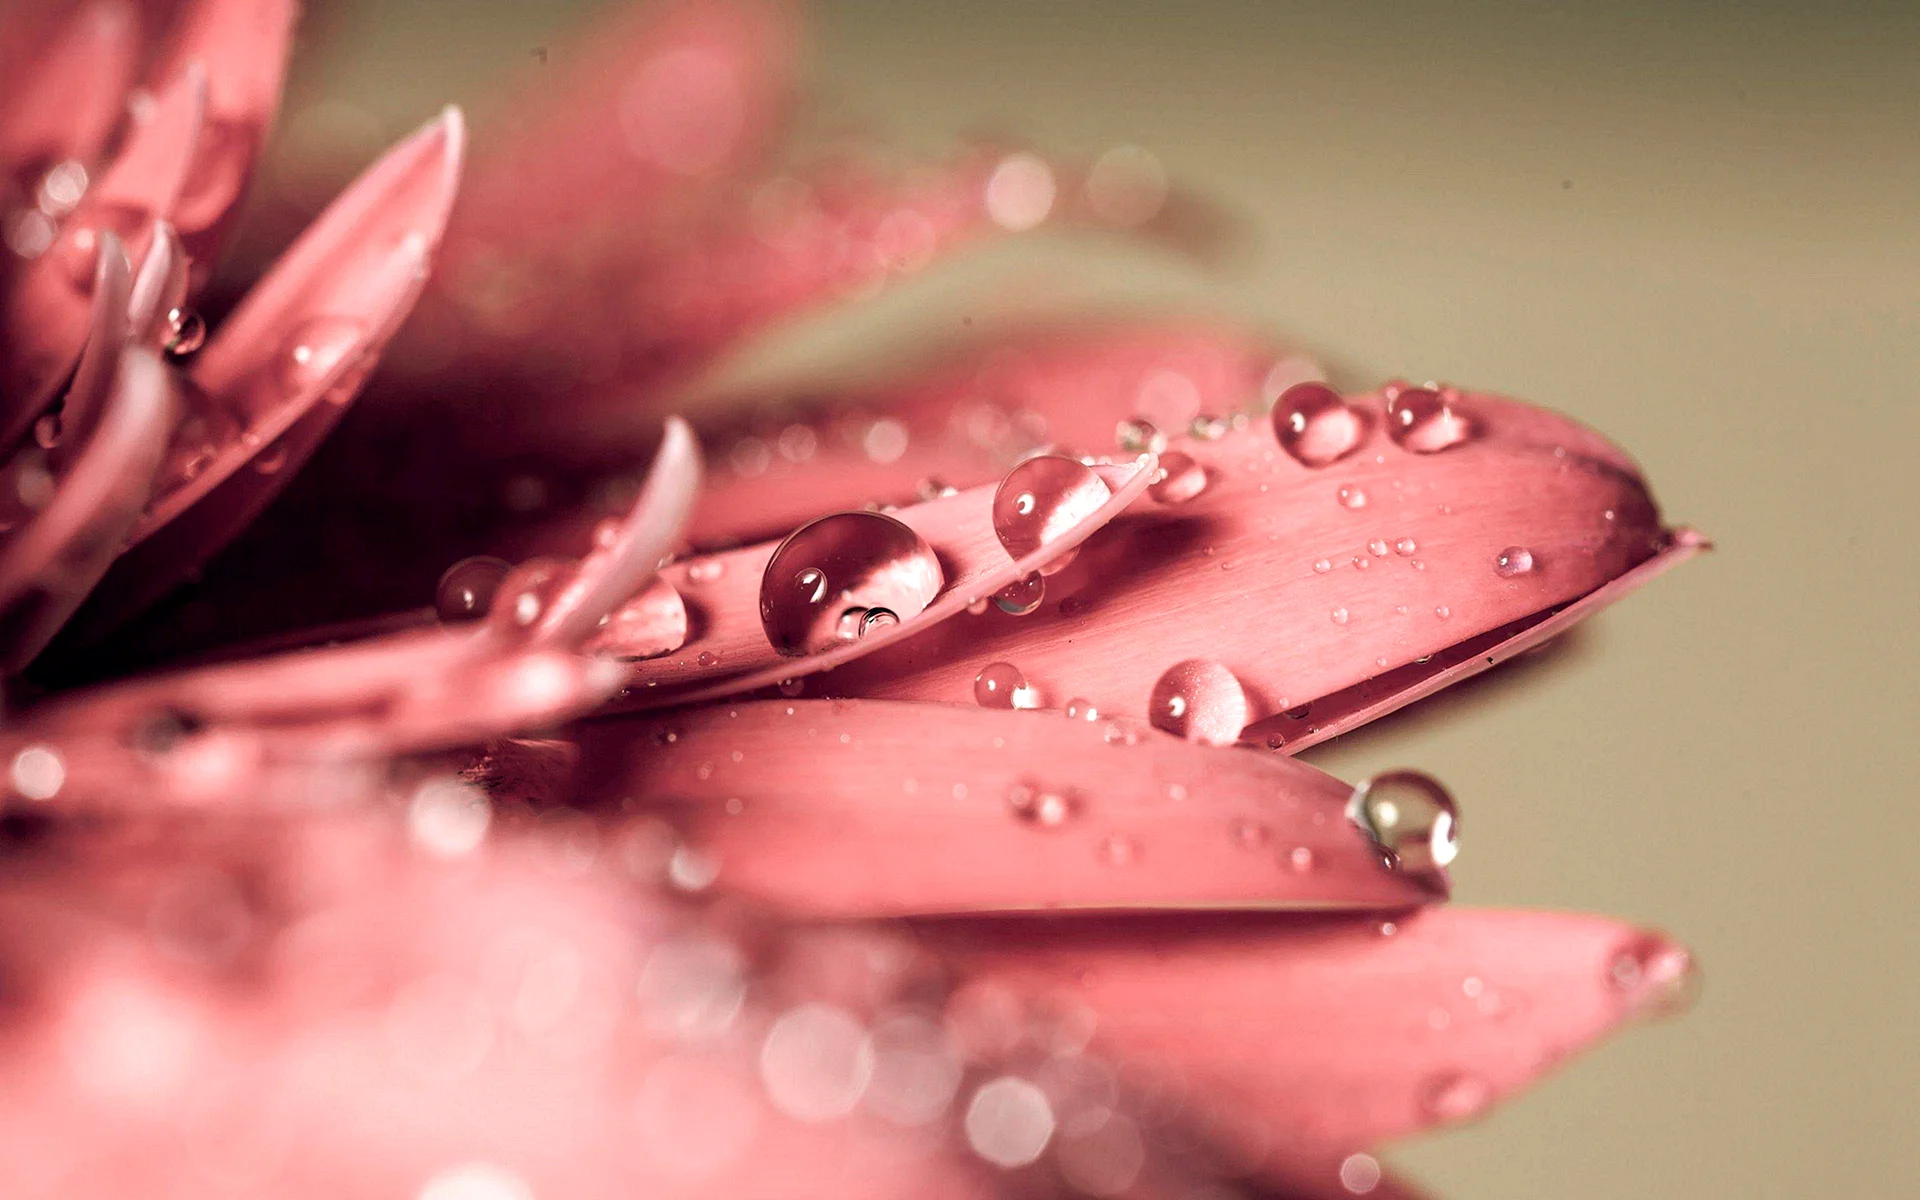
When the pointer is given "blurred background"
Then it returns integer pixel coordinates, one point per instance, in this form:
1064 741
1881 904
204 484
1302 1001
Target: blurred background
1694 226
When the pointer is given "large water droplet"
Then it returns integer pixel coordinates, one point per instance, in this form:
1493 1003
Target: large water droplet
1199 700
1514 560
1021 596
1315 425
843 576
186 332
1042 499
466 590
1178 480
1424 421
1001 685
1411 817
315 348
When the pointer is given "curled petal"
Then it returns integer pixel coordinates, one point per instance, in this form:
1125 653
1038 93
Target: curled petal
100 360
868 808
1261 1016
730 652
64 103
46 306
1303 581
283 368
50 565
243 46
159 287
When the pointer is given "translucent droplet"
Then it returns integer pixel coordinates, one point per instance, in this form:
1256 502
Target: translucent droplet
1314 425
1300 859
1081 709
706 570
1351 496
524 596
1654 976
1249 835
708 658
831 576
1200 700
1405 547
1138 437
1411 817
1039 806
1514 560
1042 499
1021 596
1179 479
186 332
1455 1096
1424 421
1001 685
312 352
1322 565
1117 850
1377 547
792 687
467 588
1339 616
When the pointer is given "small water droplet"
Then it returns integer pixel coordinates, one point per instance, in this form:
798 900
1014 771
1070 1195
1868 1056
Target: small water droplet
1339 616
1411 817
1653 975
1139 437
1377 547
1001 685
1321 566
1442 611
708 658
841 577
1300 860
1405 547
1314 425
1361 562
466 589
706 570
314 349
1351 497
1118 850
1455 1096
1179 479
1200 700
1042 499
1424 421
186 332
1038 806
1249 835
1514 560
1021 596
1081 709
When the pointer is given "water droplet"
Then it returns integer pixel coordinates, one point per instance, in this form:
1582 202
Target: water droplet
1117 850
1249 835
1021 596
1411 817
1424 421
1321 566
467 588
1178 480
186 332
1405 547
1514 560
706 570
522 598
1139 437
313 350
1039 806
1654 975
1377 547
708 658
1351 496
1199 700
1339 616
1361 562
1081 709
842 576
1454 1096
1314 425
1042 499
1001 685
1442 611
1207 428
1300 859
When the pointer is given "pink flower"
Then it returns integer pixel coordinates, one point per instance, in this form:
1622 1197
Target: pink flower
750 874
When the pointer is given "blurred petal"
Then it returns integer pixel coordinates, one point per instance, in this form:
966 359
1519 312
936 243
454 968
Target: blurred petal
867 808
44 309
159 287
1304 581
100 360
50 565
1319 1036
65 101
729 651
284 366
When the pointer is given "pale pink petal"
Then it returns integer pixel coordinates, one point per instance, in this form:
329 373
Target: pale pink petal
868 808
159 288
68 98
1304 581
729 651
50 565
243 46
284 366
1307 1038
46 304
107 336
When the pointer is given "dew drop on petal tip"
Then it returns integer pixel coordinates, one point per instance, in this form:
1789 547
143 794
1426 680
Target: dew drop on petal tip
1314 425
1424 421
1514 560
1654 976
1043 498
1200 700
1410 817
1022 596
841 578
466 589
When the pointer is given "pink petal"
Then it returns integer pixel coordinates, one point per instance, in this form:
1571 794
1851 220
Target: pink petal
867 808
730 652
159 287
243 45
51 564
1306 1038
100 360
1304 582
965 422
288 361
46 306
66 102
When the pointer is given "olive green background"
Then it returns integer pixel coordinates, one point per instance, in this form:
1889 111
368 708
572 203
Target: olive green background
1694 226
